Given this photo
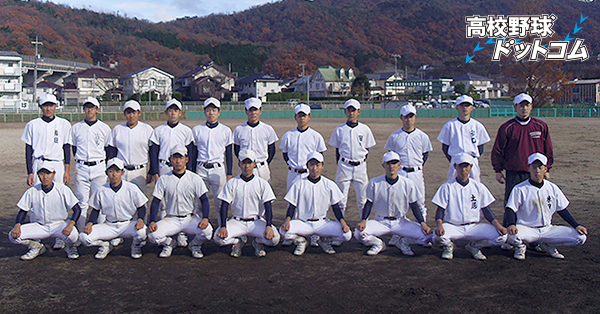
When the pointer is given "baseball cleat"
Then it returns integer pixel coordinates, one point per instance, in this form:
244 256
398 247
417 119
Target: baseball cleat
551 250
196 251
427 245
326 246
300 247
520 252
116 241
168 249
336 243
59 244
259 249
404 247
71 251
103 250
36 249
314 240
236 248
182 239
448 252
376 249
395 238
506 247
136 250
287 242
476 252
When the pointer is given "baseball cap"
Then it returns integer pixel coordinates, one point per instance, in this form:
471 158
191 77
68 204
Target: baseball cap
247 154
352 103
92 100
537 156
133 105
302 108
253 102
173 102
390 156
519 98
212 101
463 99
48 166
48 98
179 149
316 156
115 162
462 158
408 109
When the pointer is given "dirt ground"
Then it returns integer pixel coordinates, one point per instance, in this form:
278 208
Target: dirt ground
348 281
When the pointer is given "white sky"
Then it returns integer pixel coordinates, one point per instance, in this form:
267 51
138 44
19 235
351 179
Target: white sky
163 10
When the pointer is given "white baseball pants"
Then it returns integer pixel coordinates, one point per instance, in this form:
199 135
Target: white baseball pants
237 228
357 175
36 231
417 177
323 227
171 225
555 235
482 234
87 180
403 227
111 230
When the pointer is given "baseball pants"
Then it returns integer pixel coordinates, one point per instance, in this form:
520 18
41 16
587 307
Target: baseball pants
357 175
323 227
37 231
475 171
137 177
403 227
482 234
417 177
111 230
87 180
555 235
262 170
293 176
214 179
172 225
59 167
237 228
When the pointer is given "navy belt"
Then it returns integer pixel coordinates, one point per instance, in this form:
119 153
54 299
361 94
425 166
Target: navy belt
210 165
314 219
166 162
46 159
352 162
245 219
132 167
298 170
89 163
411 169
390 218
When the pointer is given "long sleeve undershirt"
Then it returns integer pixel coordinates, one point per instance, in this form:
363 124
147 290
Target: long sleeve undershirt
154 150
229 159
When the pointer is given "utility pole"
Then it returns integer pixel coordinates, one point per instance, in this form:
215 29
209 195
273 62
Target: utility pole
396 57
36 43
307 84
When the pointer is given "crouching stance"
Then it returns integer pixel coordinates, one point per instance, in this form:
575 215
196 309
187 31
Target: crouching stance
179 189
390 196
311 198
460 202
48 204
250 198
118 200
529 213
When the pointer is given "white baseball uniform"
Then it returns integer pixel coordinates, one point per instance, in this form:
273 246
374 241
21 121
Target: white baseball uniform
534 208
119 207
247 201
391 202
90 141
257 139
132 146
462 214
464 138
411 147
47 140
297 145
167 137
312 201
352 144
179 195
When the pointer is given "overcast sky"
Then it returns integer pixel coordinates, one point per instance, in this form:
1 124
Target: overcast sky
163 10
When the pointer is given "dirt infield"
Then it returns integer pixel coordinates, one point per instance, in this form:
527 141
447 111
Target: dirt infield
349 281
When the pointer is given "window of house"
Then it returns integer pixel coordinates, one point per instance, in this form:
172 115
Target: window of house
162 82
264 84
86 83
109 83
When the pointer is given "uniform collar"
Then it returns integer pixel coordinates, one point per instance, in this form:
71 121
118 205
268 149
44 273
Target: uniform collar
315 181
463 183
212 125
116 188
90 123
172 125
537 185
391 181
352 124
48 120
247 179
49 189
252 125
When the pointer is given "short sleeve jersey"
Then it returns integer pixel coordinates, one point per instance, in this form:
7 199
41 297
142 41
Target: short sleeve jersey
297 145
179 194
312 200
247 198
167 137
45 208
409 146
391 200
352 142
47 138
91 140
120 205
256 138
211 142
463 204
132 143
535 206
463 137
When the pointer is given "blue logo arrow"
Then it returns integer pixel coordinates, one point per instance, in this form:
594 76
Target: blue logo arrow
469 58
490 41
568 38
576 29
581 19
478 48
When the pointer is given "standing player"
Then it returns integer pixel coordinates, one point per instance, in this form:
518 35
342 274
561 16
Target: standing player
118 200
390 196
460 202
413 147
463 135
250 197
48 204
91 137
352 141
311 197
256 136
179 190
529 211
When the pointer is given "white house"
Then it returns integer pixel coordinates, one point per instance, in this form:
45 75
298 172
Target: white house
44 87
331 82
257 85
478 84
220 78
11 80
94 82
146 80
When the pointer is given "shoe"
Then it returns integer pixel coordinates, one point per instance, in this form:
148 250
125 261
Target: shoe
168 249
476 252
103 250
314 240
404 247
259 249
376 249
395 238
520 252
182 239
506 247
116 241
427 245
59 244
71 251
551 250
196 251
287 242
236 248
336 243
448 252
244 239
326 246
136 250
538 247
36 249
300 247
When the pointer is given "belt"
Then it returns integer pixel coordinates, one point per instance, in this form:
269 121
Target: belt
468 223
118 221
210 165
315 219
352 162
411 169
166 162
46 159
298 170
132 167
246 219
179 216
390 218
89 163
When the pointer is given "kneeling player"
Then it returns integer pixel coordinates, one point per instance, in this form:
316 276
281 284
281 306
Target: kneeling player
250 197
311 197
460 202
389 196
119 200
529 213
48 203
179 189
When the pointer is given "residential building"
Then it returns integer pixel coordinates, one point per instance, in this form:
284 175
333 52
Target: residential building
257 85
583 92
429 87
43 87
147 80
94 82
478 84
380 90
331 82
11 80
224 80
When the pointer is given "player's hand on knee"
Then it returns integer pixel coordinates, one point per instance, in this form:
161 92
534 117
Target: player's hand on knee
425 228
222 233
67 230
500 177
152 227
286 224
66 178
439 231
30 179
139 224
345 227
512 229
269 234
582 230
361 225
502 230
16 231
87 228
203 223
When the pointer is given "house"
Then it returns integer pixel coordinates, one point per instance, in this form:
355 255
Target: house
381 90
257 85
92 82
478 84
11 80
205 87
147 80
218 75
299 86
43 87
582 92
331 82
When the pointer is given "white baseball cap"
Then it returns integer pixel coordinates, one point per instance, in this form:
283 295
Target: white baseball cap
179 149
302 108
212 101
48 98
253 102
352 103
247 154
316 156
390 156
463 99
92 100
115 162
173 102
48 166
537 156
133 105
408 109
521 97
462 158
